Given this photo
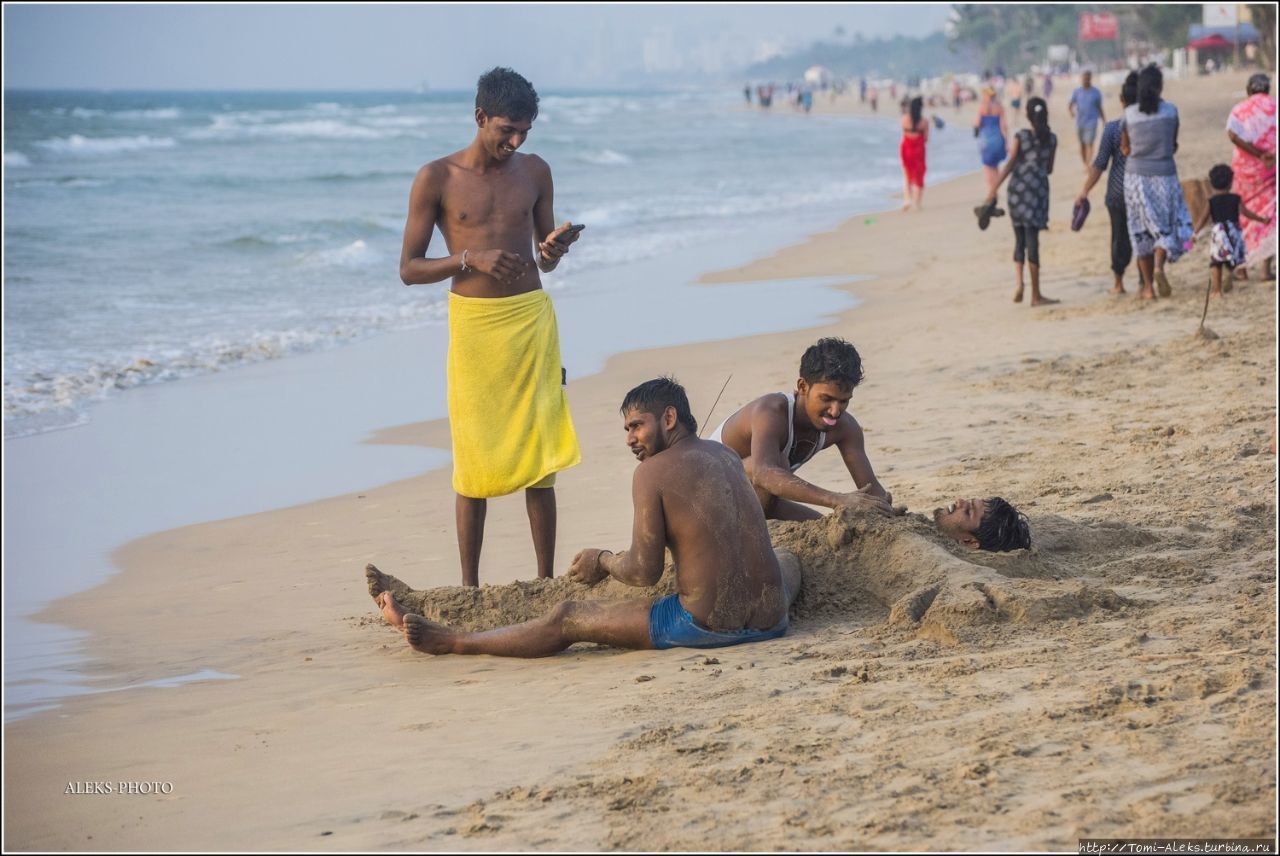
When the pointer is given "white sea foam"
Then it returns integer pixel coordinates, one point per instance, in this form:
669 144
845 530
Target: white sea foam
605 157
225 127
86 112
79 145
15 159
400 121
33 399
155 113
356 254
69 181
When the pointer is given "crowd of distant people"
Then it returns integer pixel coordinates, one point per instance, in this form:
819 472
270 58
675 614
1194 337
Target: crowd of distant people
1151 225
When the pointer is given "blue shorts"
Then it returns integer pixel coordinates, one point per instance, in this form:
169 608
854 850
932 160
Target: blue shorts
671 626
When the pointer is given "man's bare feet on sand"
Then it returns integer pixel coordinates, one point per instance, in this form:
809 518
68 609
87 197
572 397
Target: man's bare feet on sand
427 636
1017 295
392 611
1118 288
1043 301
1146 294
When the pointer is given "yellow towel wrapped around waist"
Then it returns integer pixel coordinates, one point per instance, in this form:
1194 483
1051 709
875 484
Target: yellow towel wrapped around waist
507 409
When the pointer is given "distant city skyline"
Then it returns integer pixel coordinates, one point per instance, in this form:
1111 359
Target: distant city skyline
51 46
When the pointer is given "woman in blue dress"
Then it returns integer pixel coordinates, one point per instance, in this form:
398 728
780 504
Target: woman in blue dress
991 131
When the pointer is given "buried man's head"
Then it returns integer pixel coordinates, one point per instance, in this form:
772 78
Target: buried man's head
984 524
653 413
829 371
506 105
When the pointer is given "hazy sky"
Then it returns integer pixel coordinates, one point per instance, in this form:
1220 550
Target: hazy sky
299 46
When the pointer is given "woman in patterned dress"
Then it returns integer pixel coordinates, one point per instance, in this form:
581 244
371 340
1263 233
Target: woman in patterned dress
1028 168
1252 129
1159 223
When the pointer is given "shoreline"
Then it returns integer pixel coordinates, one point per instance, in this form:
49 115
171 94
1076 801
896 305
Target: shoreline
963 392
583 353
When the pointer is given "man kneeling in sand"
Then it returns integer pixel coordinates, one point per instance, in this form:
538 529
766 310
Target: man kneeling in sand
778 433
691 496
984 524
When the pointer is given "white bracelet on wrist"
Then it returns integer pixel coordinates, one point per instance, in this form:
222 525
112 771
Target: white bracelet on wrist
464 260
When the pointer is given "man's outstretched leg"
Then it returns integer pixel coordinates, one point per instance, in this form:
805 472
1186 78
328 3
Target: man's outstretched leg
540 503
622 625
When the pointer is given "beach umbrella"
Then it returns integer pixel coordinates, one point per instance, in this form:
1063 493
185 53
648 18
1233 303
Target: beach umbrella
1213 41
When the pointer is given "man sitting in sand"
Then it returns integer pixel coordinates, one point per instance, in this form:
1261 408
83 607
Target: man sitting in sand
984 524
778 433
690 496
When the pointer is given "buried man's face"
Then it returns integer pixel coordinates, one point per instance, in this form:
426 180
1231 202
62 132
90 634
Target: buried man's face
961 519
824 403
646 433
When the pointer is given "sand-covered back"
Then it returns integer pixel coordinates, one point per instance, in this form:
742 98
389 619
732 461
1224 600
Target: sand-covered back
1116 680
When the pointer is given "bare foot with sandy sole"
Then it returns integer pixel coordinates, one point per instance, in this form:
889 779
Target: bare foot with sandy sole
427 636
392 611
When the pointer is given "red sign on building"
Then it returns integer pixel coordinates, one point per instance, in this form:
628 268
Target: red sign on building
1097 26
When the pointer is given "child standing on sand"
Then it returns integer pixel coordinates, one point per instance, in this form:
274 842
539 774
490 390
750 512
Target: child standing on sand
1226 242
1028 168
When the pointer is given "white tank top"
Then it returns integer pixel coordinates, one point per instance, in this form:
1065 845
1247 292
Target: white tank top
717 435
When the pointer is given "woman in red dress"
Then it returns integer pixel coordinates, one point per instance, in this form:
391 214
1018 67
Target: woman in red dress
915 134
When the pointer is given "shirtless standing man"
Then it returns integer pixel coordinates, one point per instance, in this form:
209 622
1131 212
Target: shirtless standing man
778 433
491 204
690 496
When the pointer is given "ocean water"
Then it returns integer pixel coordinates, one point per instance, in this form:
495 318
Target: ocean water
151 237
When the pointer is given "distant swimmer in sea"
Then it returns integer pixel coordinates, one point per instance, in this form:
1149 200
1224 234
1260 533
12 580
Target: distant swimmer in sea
508 414
990 524
778 433
690 496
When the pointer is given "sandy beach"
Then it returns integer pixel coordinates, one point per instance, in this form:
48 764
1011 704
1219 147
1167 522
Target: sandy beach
1117 680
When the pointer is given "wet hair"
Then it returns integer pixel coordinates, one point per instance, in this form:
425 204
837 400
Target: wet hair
655 396
1003 528
502 92
917 110
831 361
1150 85
1258 83
1038 116
1129 89
1220 177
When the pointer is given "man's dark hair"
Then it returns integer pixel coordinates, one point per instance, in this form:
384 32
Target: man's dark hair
1220 177
502 92
655 396
1129 89
832 361
1003 528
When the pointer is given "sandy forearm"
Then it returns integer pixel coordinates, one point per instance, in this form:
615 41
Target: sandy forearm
624 568
786 485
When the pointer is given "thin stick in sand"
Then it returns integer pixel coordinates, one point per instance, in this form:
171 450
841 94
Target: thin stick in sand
1205 314
714 403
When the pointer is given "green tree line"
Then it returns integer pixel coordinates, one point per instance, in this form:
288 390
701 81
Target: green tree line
1015 36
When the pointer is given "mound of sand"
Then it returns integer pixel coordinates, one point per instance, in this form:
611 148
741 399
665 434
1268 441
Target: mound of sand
857 570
